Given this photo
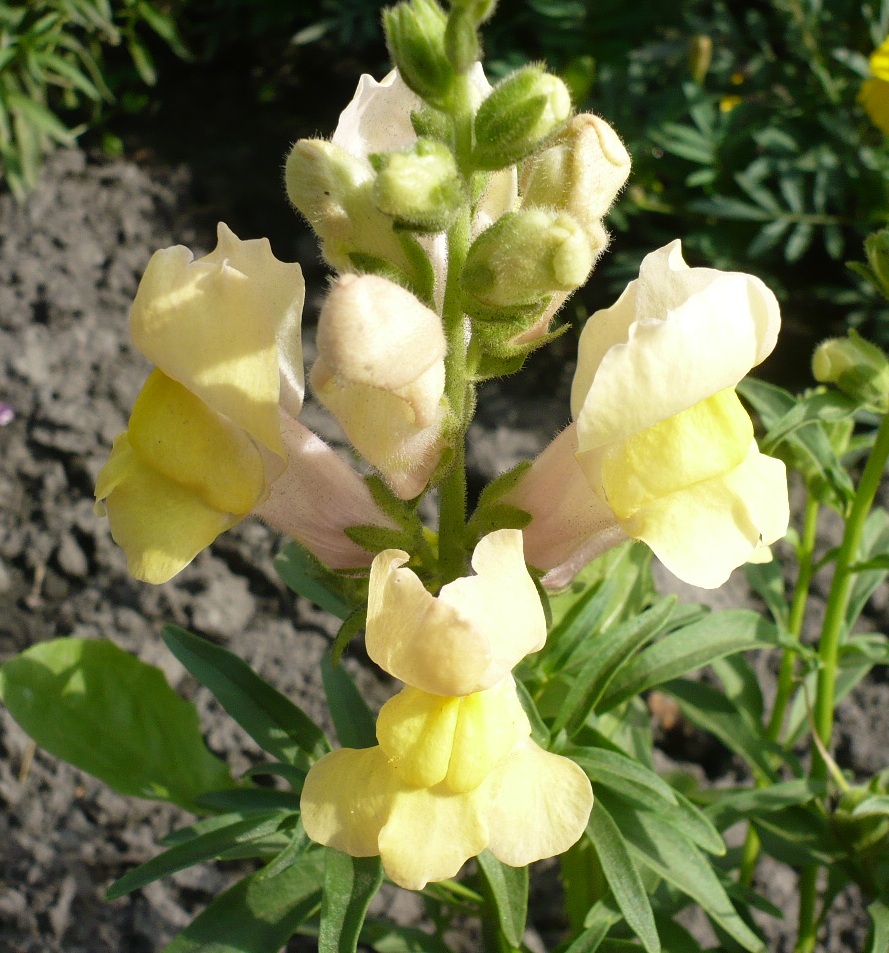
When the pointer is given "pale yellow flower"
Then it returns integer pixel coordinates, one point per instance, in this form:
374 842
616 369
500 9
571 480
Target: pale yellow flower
874 95
660 437
214 426
455 771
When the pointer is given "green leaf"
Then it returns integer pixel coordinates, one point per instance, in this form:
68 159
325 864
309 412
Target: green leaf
302 573
509 890
94 705
609 652
601 919
386 938
251 799
767 580
797 837
732 805
709 709
682 651
273 721
879 918
623 876
874 547
350 883
257 915
670 855
196 850
354 721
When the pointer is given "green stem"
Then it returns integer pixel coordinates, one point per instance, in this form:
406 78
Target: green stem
786 675
828 654
452 490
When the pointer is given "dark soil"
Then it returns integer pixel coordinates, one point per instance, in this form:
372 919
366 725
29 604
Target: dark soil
72 257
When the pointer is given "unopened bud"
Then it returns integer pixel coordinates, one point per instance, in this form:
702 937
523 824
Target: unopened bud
525 257
420 187
334 191
479 10
522 112
581 173
415 35
462 45
380 371
700 55
876 245
857 367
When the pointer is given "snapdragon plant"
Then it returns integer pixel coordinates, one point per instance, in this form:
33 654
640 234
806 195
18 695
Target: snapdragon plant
458 218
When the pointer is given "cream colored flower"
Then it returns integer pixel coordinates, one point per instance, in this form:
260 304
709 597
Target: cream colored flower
455 771
661 437
213 428
380 371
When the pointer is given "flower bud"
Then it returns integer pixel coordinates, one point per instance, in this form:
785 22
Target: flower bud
700 56
420 187
876 246
857 367
581 173
415 35
521 113
479 10
462 45
525 257
380 372
334 191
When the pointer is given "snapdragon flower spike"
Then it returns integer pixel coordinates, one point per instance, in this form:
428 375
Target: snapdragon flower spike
213 428
660 437
380 371
455 771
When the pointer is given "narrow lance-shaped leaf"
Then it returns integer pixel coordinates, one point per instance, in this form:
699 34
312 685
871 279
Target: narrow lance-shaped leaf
272 720
509 890
350 883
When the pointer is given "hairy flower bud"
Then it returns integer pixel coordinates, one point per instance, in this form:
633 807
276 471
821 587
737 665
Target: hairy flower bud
415 35
581 173
525 257
334 191
462 45
521 113
857 367
419 187
380 372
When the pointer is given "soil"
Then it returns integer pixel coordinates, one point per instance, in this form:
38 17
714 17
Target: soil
72 257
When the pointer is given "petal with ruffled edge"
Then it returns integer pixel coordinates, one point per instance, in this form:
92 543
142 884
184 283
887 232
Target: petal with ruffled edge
676 336
160 524
538 805
214 325
471 635
430 834
704 532
346 800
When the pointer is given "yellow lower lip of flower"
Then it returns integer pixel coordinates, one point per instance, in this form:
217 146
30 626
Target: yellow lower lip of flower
707 440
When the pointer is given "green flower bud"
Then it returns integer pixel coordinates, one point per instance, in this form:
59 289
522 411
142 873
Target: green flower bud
524 258
876 246
415 36
334 191
522 112
857 367
581 173
462 45
859 831
479 10
419 187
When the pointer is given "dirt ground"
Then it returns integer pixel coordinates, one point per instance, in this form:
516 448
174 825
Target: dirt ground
71 259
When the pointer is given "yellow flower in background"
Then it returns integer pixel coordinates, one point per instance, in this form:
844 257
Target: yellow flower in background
204 441
455 771
662 438
874 95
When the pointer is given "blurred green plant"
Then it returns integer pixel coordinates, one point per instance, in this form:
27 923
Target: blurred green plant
53 65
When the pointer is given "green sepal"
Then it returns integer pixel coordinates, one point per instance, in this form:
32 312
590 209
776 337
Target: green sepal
92 704
430 123
461 40
419 282
415 37
500 352
490 514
